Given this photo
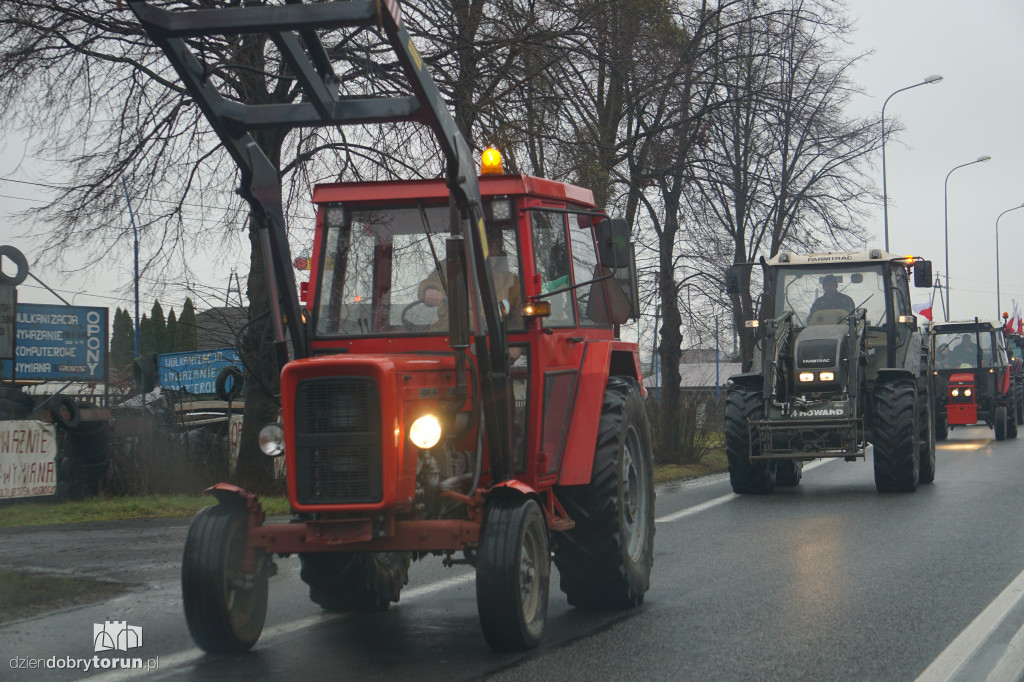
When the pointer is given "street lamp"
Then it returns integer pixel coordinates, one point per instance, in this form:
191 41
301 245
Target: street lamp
999 307
945 201
885 197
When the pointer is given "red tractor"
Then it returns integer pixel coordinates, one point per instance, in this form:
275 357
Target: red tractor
457 387
974 378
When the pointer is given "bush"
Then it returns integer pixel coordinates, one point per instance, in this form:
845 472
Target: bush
701 416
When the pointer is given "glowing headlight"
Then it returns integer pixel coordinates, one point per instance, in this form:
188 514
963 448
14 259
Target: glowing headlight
272 440
425 432
806 376
955 392
967 392
827 376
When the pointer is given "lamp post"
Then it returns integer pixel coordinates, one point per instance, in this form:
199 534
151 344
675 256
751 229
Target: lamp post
935 78
999 307
945 202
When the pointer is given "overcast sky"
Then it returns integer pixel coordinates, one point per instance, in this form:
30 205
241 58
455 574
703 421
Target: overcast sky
978 109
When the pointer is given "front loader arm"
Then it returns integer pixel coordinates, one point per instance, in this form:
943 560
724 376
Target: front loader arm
294 28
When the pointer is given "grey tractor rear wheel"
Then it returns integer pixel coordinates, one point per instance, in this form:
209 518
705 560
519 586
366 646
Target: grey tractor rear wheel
355 581
747 476
788 472
897 455
513 574
224 606
605 561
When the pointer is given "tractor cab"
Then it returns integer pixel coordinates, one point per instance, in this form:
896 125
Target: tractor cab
825 292
974 382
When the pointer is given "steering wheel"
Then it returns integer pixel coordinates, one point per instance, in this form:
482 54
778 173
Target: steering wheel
409 324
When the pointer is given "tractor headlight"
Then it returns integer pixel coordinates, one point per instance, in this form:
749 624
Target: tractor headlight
272 440
967 392
425 432
806 376
827 376
955 392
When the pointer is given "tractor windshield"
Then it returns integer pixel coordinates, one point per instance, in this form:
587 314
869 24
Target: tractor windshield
959 349
382 270
826 295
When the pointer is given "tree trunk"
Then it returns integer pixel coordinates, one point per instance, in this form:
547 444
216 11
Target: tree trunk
670 348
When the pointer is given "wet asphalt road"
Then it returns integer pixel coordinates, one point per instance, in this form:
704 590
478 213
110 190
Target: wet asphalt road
829 580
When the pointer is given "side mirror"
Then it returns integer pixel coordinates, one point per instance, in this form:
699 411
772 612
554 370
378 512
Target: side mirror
733 280
923 274
613 244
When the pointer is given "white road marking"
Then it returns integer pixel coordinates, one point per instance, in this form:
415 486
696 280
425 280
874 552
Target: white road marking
704 506
183 658
949 662
1010 667
190 656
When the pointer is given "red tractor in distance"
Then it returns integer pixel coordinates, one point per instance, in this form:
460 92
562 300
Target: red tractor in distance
974 378
457 386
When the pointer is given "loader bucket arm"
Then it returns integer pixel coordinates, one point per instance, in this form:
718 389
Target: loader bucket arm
294 27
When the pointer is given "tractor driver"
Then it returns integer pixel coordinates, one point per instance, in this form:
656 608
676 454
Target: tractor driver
506 285
966 353
831 299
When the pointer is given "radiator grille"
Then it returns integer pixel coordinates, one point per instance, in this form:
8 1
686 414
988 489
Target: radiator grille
338 441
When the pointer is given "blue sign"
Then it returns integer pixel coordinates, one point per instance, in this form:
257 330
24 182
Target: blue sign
195 371
60 343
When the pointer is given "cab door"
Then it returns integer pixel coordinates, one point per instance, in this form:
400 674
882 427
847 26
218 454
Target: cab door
564 262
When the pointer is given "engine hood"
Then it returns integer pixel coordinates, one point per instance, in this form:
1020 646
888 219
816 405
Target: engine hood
820 347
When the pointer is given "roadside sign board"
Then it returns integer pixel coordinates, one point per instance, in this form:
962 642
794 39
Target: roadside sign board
7 320
28 453
195 371
60 343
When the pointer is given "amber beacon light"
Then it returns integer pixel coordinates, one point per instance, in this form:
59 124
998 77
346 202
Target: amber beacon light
490 162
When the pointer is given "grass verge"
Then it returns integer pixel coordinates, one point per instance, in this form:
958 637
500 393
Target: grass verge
26 594
116 509
32 513
712 463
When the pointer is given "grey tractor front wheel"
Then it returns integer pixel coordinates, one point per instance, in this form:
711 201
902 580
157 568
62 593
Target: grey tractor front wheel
742 443
897 454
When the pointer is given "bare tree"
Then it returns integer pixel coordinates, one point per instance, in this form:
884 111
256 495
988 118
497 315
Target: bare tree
785 165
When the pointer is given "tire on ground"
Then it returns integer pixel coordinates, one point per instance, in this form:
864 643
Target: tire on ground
605 560
741 440
223 616
941 427
897 456
355 581
1000 420
513 573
